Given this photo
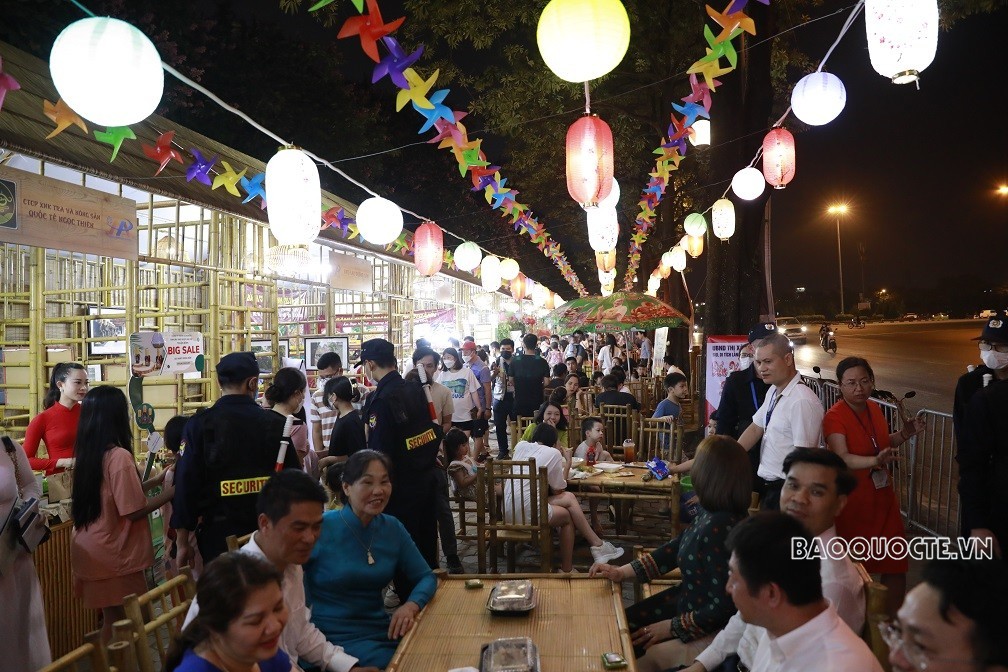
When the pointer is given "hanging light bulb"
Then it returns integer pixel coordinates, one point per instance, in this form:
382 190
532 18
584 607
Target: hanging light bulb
695 246
589 160
723 218
294 197
603 229
700 133
748 183
428 248
468 256
818 98
583 39
490 276
379 220
695 224
778 157
678 259
902 37
509 269
107 71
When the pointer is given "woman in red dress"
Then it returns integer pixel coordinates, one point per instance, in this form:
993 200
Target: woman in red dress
856 430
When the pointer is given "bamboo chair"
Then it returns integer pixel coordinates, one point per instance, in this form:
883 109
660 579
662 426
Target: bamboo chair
645 590
526 526
620 424
172 600
518 428
235 543
91 653
463 508
875 613
655 438
586 398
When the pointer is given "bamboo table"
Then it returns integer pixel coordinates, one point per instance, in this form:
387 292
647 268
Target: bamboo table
622 491
575 621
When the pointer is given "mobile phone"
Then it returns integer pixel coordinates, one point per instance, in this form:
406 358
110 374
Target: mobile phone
613 661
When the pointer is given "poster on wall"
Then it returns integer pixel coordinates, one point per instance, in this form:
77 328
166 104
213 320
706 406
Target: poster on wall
156 353
660 346
316 347
722 360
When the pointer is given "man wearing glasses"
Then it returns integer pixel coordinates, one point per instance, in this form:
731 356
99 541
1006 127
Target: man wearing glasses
954 620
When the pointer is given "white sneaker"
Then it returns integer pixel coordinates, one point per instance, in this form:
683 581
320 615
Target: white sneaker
605 552
391 599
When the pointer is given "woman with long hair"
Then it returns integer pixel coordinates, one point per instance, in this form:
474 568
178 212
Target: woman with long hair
286 396
57 424
111 544
551 412
241 617
606 353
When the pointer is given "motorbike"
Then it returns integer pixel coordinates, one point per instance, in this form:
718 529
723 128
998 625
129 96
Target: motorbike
856 323
828 341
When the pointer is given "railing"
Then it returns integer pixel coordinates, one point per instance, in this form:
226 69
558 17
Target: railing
926 473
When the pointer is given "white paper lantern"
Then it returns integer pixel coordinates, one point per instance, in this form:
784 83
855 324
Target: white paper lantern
490 276
483 300
653 283
294 197
678 260
509 269
723 218
902 37
700 133
603 229
379 220
748 183
666 259
468 256
695 224
583 39
606 277
612 200
107 71
818 98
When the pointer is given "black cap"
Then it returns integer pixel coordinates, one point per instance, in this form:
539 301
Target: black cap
238 366
761 331
376 348
996 329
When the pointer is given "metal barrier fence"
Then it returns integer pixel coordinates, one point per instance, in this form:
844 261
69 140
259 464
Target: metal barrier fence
926 474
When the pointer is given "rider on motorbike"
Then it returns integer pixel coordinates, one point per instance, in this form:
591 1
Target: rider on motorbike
856 322
824 331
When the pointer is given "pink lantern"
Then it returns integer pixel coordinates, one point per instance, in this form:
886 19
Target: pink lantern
778 157
589 160
428 248
518 287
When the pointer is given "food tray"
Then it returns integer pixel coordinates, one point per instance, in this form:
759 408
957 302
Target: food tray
512 654
608 466
512 597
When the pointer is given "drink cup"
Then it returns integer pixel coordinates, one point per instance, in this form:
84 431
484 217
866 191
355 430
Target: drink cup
629 451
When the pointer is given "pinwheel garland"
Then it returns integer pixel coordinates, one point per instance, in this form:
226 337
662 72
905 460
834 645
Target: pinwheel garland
162 151
370 28
7 83
200 167
416 91
337 218
228 179
438 112
394 64
114 136
254 187
62 116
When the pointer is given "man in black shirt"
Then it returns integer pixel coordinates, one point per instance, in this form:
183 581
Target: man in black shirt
529 374
610 396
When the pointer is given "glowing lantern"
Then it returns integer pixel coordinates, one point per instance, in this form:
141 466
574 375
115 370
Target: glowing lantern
518 287
583 39
539 294
468 256
606 261
723 218
778 157
428 248
663 271
607 289
490 276
748 183
695 224
902 37
603 229
818 98
700 133
695 246
295 211
379 220
551 300
607 277
654 282
508 269
107 71
612 200
589 160
678 259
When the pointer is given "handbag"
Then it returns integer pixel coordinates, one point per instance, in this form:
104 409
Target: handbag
60 486
26 521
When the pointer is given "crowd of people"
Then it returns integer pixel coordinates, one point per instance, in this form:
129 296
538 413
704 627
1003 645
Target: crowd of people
333 577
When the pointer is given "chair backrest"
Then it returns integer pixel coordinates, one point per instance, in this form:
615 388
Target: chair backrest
586 398
235 543
875 612
502 488
518 428
92 652
157 616
655 438
620 424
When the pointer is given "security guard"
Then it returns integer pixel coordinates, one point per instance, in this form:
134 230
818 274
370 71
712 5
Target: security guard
399 424
228 452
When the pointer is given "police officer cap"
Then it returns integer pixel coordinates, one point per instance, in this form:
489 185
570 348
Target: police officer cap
238 366
761 331
996 329
375 349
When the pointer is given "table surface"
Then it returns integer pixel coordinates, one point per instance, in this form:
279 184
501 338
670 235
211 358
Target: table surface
575 621
609 481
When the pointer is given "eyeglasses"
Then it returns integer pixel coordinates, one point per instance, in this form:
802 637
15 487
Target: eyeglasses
863 383
986 346
892 634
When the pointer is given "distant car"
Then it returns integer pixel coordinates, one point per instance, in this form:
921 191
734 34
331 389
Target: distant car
909 317
940 316
792 328
986 314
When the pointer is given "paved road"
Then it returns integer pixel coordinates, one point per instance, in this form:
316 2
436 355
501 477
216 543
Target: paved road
924 356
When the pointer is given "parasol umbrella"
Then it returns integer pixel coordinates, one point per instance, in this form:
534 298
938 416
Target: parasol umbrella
620 311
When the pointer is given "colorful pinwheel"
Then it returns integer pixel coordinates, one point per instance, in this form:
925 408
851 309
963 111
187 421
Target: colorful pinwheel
394 64
62 116
370 28
162 152
114 136
199 169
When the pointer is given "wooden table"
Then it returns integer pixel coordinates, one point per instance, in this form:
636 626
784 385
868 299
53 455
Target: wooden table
575 621
622 490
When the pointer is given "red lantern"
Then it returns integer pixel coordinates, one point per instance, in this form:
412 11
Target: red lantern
518 287
589 160
606 261
428 248
778 157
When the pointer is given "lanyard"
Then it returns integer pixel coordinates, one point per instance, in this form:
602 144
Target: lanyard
752 388
869 430
774 398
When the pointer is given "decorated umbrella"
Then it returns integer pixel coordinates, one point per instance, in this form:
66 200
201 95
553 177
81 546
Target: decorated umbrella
620 311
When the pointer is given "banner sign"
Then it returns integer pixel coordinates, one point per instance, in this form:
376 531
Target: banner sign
155 353
722 360
49 213
660 346
350 272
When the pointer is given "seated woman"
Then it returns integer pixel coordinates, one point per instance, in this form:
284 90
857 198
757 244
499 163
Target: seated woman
359 552
242 615
550 413
564 509
722 480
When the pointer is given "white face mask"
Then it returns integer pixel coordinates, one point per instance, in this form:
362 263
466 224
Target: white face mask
993 359
745 362
448 362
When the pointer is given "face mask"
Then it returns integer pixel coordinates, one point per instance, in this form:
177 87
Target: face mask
448 362
745 362
993 359
506 355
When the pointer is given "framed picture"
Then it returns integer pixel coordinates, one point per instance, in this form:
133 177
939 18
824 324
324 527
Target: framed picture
94 373
266 361
316 347
106 323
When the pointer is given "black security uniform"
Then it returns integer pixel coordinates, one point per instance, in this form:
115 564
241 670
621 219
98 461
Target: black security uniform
741 397
983 463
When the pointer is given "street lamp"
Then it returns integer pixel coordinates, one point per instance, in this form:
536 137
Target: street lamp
839 210
1002 190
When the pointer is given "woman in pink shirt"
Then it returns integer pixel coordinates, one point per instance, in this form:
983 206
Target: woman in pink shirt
111 544
57 424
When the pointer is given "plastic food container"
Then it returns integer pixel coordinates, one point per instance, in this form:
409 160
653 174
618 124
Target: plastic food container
513 654
512 597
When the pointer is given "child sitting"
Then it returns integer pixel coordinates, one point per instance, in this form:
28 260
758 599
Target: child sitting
593 431
463 467
671 406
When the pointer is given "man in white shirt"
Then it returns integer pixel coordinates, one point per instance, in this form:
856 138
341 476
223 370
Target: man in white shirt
784 596
814 493
290 507
791 416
